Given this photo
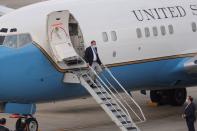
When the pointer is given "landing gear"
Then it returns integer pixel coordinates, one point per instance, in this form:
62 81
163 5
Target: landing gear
162 97
175 97
179 97
26 124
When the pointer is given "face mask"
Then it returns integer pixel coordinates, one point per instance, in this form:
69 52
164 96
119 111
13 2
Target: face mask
187 101
94 46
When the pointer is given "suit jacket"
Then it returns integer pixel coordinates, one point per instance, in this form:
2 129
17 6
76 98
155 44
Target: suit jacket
190 112
2 128
89 56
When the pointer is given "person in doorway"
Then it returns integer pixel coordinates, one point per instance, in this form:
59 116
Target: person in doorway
92 59
189 114
2 125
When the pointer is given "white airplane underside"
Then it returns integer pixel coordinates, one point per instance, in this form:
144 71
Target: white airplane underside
150 47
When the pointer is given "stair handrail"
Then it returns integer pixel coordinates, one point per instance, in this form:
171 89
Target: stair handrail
140 109
125 109
125 101
109 100
118 101
106 87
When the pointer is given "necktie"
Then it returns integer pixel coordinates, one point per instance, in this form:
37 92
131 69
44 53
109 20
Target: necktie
94 50
94 53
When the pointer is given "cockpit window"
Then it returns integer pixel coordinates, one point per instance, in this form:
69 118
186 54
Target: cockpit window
10 41
24 39
16 40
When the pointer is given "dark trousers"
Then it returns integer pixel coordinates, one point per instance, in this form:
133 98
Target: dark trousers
190 125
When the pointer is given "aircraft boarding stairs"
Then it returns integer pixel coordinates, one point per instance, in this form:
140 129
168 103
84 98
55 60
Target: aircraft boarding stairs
101 89
108 97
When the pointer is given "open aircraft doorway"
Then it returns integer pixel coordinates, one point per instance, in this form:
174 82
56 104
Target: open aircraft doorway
65 39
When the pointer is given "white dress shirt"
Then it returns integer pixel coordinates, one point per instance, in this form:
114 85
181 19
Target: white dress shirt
94 54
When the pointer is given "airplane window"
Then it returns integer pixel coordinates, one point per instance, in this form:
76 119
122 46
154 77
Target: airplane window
113 36
24 39
194 28
139 33
105 36
10 41
16 41
155 31
13 30
163 30
171 29
147 32
5 30
2 38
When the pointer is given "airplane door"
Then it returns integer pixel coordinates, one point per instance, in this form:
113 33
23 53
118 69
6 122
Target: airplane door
58 36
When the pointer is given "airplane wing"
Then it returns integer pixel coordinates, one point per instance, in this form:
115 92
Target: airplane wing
4 10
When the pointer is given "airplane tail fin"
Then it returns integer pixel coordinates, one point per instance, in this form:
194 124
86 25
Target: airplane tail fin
4 10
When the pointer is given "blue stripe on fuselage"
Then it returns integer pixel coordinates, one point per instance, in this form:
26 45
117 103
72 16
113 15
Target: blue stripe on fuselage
27 76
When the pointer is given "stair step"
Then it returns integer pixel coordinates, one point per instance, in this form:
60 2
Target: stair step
104 99
125 122
94 86
131 128
89 81
71 62
104 96
110 104
84 76
99 89
120 116
118 113
115 110
99 93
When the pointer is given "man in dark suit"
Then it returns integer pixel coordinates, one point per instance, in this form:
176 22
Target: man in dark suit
2 125
92 58
189 114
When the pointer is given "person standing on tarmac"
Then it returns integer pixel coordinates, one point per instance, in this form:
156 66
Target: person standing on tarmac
189 114
2 125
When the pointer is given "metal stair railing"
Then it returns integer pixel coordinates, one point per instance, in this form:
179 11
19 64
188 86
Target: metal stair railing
108 101
107 87
114 96
119 103
120 85
124 100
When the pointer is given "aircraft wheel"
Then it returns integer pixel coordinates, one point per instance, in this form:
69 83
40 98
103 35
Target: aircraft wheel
162 97
26 124
155 96
20 124
31 124
178 96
